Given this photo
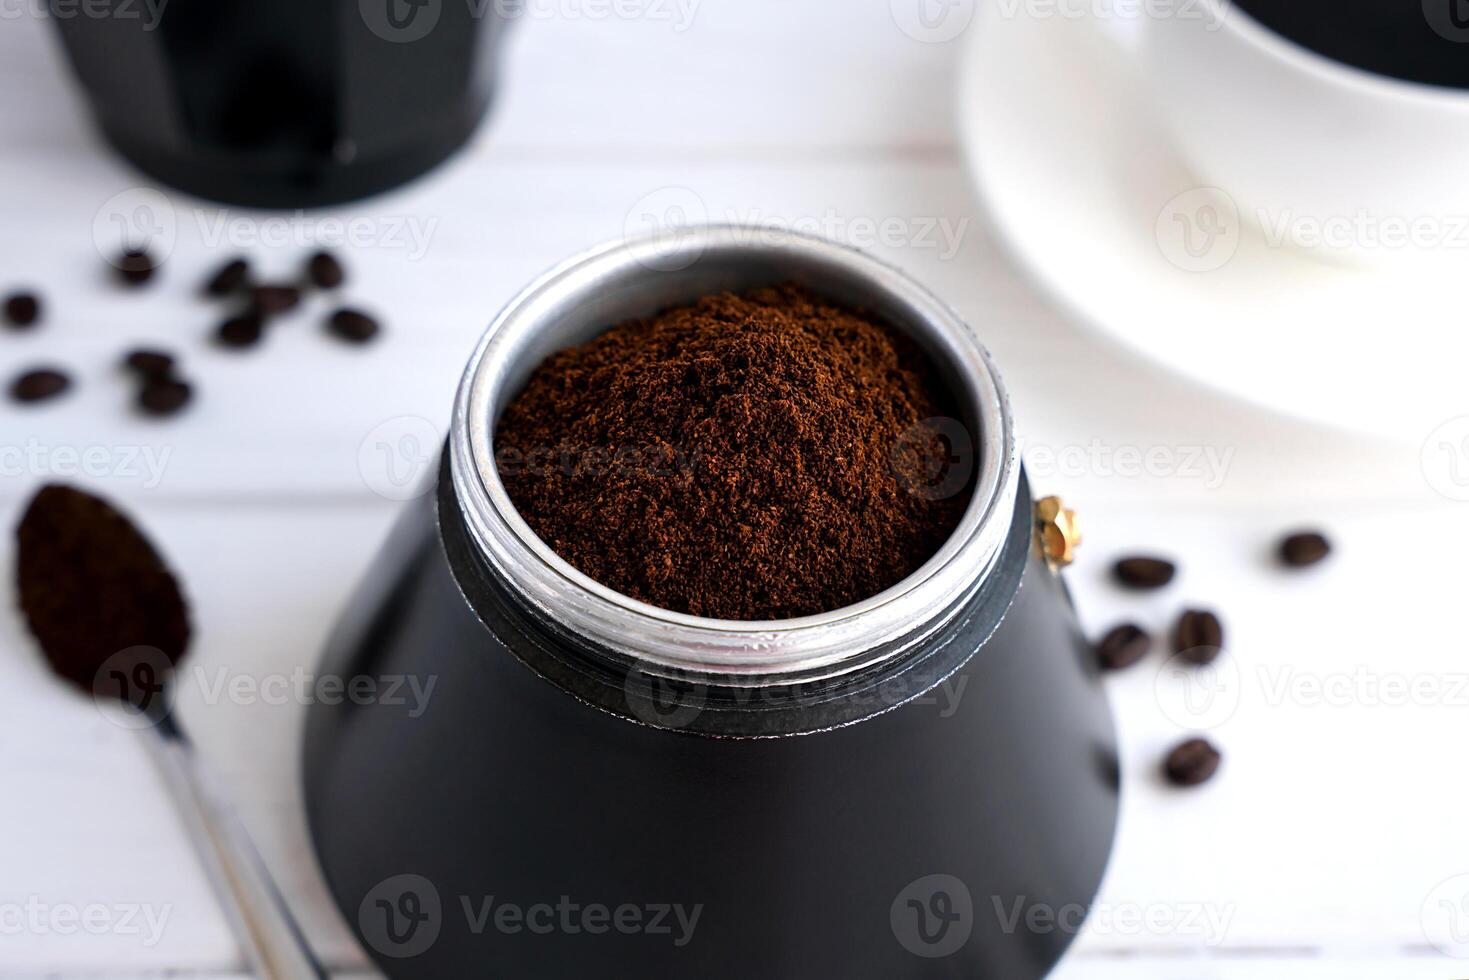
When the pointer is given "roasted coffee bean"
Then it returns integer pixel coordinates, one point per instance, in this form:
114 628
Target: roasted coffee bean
164 396
244 330
352 325
135 266
1304 548
39 385
1199 637
325 271
232 277
273 300
1123 646
148 363
22 309
1191 763
1144 573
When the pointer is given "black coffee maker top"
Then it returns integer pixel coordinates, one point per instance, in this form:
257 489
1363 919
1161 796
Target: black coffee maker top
276 103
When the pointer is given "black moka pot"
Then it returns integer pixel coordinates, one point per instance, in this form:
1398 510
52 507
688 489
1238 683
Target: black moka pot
599 788
284 103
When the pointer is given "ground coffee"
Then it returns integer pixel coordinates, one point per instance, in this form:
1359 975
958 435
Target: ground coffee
92 588
749 457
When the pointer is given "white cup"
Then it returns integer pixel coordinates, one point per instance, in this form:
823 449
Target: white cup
1341 161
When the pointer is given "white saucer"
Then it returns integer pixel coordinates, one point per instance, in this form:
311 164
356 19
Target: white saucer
1085 188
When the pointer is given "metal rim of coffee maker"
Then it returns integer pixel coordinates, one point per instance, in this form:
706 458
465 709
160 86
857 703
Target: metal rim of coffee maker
632 278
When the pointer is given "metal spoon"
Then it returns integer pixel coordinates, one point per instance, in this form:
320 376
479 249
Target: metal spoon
258 916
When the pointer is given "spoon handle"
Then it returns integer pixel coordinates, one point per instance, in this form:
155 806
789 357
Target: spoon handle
258 915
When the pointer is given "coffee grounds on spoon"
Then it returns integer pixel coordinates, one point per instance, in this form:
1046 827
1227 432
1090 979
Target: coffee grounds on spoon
92 587
749 457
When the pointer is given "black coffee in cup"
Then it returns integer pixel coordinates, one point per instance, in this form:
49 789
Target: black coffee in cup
1417 40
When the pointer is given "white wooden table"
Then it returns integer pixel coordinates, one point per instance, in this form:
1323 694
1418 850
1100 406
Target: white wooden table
1318 852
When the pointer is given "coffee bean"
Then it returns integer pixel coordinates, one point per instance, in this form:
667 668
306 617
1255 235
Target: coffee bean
1144 573
1191 763
164 396
135 266
1199 636
148 363
1123 646
232 277
273 300
1304 548
325 271
22 309
353 326
39 385
244 330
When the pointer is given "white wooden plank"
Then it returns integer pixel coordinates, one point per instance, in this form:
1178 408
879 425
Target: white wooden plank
440 257
291 417
1337 811
1329 827
1331 824
710 77
169 974
85 819
1260 967
1077 967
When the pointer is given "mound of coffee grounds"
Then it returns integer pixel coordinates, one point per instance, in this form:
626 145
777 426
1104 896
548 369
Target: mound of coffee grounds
750 457
92 586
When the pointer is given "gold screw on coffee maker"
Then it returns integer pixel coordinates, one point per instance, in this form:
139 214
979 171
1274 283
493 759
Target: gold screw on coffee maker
1059 529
